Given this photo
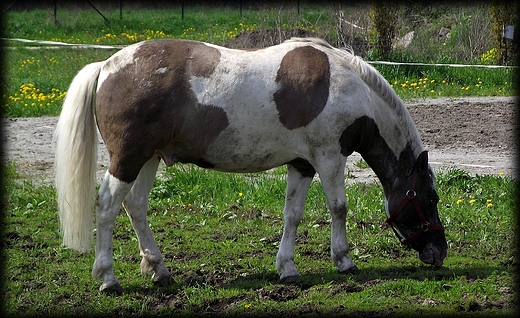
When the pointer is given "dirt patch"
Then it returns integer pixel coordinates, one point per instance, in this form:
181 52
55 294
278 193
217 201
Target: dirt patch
467 123
474 134
280 293
256 39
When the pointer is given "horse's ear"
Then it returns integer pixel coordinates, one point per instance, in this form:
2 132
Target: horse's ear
422 164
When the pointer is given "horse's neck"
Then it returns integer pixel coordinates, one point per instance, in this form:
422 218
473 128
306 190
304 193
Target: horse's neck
386 164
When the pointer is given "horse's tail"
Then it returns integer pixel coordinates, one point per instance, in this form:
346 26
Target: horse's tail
75 160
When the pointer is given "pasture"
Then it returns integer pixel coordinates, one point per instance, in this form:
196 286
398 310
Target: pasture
219 233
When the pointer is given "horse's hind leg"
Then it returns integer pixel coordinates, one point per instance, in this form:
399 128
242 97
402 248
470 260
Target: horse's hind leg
136 206
108 203
297 188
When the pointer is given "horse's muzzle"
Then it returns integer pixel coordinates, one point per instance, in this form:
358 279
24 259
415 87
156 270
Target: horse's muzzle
433 255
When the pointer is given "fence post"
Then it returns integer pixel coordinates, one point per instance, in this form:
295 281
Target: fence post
55 14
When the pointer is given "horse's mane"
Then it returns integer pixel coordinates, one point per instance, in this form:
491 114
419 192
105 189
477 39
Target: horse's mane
372 78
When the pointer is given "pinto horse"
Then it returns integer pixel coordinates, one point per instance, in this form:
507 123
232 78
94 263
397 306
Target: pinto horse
303 103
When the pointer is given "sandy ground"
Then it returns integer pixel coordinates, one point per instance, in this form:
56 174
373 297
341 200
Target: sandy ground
474 134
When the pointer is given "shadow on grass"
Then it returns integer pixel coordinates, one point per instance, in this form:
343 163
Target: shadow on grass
368 276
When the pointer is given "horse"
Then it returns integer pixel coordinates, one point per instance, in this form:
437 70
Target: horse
303 103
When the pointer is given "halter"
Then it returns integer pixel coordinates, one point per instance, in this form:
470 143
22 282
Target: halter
411 195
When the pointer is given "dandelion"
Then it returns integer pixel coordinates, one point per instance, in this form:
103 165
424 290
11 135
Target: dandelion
490 205
459 201
501 173
240 194
472 201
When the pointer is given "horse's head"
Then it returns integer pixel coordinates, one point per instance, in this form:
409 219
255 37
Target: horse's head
413 215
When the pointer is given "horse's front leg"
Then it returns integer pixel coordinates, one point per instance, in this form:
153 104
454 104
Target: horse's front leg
136 206
333 183
108 202
297 189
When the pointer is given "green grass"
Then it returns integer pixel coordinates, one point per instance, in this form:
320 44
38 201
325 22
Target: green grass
219 235
38 79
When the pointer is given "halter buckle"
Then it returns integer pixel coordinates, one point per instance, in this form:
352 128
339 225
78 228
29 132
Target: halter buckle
425 226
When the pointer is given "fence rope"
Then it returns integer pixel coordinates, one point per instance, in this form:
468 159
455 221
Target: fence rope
438 64
58 45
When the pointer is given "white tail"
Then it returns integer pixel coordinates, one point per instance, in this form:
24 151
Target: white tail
76 159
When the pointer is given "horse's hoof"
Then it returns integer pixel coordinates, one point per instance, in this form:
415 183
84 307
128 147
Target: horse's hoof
162 280
290 279
112 289
353 270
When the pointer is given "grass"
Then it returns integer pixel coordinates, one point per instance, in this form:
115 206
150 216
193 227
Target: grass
38 79
219 234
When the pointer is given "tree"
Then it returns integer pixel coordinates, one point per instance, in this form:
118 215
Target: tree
502 16
384 25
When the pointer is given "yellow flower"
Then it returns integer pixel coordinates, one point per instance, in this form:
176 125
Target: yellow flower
459 201
490 205
472 201
501 173
240 194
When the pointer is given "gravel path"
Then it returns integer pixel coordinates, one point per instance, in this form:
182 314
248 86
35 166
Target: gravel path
474 134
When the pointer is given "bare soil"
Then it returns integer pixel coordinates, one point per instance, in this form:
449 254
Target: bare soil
474 134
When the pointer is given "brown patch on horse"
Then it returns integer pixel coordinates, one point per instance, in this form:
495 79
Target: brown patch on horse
304 77
156 112
201 126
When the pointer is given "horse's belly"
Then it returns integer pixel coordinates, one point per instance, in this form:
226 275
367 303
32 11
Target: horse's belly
247 159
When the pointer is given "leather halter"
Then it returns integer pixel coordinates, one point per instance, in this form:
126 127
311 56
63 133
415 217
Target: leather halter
411 195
